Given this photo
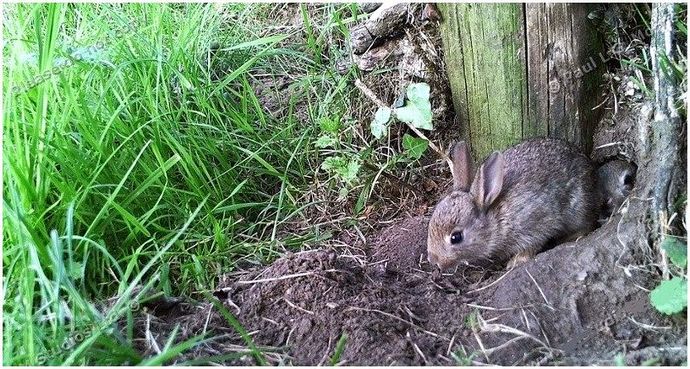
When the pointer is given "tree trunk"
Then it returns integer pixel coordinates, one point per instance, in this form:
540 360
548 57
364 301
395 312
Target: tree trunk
667 177
519 71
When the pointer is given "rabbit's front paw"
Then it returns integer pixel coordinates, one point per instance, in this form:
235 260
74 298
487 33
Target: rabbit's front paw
520 259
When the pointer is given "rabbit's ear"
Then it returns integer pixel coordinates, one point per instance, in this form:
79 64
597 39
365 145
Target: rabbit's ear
462 166
490 180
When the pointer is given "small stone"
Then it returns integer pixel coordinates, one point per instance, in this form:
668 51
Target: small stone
360 39
429 185
374 57
369 7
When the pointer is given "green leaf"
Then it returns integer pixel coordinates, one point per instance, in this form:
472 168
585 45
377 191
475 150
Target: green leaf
414 147
619 360
331 163
329 125
346 169
342 193
417 111
74 269
351 171
651 362
676 251
362 198
379 126
325 141
671 296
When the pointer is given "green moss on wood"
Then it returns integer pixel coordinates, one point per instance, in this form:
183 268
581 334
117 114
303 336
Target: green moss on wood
482 43
513 72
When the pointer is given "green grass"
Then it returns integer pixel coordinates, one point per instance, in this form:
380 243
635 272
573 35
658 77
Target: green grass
339 348
136 160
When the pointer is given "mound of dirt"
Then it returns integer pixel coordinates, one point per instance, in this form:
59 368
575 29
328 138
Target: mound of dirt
397 246
573 303
308 300
579 303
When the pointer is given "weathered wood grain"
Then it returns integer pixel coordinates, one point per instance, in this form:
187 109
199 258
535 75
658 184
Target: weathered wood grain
522 70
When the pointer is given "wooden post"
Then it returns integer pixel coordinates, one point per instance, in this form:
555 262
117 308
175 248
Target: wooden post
522 70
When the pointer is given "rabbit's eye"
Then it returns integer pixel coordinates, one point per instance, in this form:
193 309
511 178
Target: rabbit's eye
627 180
456 237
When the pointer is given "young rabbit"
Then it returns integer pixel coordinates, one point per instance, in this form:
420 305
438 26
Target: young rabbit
537 192
616 178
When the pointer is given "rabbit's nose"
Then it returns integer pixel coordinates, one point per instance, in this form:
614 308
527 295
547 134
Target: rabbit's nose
432 258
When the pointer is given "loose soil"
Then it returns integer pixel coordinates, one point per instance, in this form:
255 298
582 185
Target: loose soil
580 303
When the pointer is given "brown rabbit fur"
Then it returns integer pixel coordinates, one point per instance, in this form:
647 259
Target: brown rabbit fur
539 191
616 179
